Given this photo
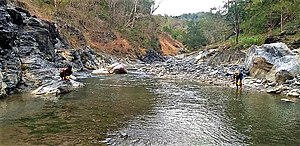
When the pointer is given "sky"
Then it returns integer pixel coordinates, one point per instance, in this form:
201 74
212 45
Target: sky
178 7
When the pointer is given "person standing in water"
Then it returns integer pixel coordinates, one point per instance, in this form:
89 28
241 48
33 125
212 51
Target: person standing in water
238 76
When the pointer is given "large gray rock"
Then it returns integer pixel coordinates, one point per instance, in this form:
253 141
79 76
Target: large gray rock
29 55
260 67
57 87
274 62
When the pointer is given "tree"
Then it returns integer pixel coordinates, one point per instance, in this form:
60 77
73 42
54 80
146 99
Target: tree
127 12
194 37
235 13
214 27
283 9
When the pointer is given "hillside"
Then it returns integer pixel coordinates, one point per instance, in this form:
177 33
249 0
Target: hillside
239 24
117 28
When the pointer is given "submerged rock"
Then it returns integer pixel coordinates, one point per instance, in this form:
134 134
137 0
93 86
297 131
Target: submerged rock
3 86
288 100
57 87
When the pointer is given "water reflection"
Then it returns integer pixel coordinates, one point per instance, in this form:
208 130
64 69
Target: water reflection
191 114
136 110
82 117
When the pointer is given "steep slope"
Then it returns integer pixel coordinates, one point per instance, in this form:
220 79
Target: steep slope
91 23
169 46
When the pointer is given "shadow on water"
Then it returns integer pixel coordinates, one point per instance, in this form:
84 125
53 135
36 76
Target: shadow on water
136 110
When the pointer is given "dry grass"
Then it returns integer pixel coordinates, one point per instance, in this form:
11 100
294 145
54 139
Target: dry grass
85 16
169 46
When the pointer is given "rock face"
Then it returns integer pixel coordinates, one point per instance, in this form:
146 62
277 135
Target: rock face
227 57
274 62
260 67
152 56
32 51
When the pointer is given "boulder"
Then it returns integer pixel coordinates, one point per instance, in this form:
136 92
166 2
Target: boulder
260 67
57 87
117 68
282 75
274 62
284 68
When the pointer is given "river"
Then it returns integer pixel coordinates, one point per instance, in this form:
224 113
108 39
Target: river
135 109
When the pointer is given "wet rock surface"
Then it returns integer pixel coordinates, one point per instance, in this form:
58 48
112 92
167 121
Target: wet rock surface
195 67
32 52
274 62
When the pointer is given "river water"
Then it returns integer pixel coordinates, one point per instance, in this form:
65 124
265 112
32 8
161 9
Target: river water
137 110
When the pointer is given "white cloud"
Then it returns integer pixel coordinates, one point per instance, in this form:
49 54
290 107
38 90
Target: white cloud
178 7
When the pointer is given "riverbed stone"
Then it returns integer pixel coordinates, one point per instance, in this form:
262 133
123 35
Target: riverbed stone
288 100
272 84
3 86
294 93
276 90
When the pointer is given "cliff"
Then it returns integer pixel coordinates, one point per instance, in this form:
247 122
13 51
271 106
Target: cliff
32 51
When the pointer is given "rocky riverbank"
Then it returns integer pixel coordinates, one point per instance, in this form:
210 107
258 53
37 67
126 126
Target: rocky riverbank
271 68
32 51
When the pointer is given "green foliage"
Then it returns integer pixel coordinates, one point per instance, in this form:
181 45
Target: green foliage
104 10
176 33
191 16
144 34
51 2
240 16
254 40
194 37
204 28
265 16
252 19
214 27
